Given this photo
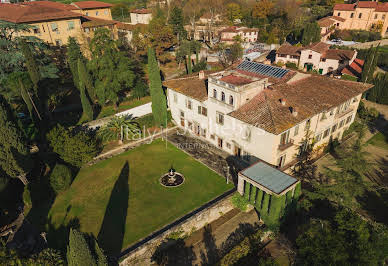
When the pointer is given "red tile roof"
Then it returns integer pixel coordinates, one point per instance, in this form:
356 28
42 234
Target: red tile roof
51 4
382 7
345 7
91 4
236 80
354 69
319 47
310 95
326 22
367 4
338 54
142 11
33 13
97 22
337 18
289 49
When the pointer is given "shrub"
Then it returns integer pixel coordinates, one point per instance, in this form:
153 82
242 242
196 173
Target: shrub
291 65
60 178
348 77
239 202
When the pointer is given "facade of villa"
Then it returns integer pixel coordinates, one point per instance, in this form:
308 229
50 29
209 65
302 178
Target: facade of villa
328 25
363 15
141 16
55 22
316 56
260 112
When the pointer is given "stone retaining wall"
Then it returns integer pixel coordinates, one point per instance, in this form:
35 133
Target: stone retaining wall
141 254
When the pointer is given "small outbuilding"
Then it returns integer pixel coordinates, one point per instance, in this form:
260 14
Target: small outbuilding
272 192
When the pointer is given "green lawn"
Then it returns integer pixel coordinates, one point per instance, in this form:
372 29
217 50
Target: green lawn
109 110
379 140
121 208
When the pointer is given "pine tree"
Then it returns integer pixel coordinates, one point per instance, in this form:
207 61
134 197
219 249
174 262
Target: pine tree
73 54
78 251
176 21
159 105
84 76
15 159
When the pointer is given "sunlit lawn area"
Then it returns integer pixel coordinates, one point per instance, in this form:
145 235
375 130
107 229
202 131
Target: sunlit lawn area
121 208
379 140
125 105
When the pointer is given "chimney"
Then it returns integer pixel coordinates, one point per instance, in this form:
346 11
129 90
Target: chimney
294 111
201 74
283 101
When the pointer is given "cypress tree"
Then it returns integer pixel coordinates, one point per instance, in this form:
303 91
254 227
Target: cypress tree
31 65
159 104
189 68
78 251
15 158
26 97
87 109
84 76
370 64
73 54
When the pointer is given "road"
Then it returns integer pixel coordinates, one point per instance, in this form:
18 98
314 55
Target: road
138 111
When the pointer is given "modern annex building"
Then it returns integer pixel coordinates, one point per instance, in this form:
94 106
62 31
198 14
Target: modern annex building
261 112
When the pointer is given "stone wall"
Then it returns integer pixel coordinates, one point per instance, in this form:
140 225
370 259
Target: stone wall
197 219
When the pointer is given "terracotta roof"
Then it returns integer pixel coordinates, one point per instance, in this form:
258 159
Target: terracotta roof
338 18
354 69
367 4
319 47
190 86
51 4
236 80
289 49
345 7
326 22
310 95
338 54
382 7
33 13
129 27
96 22
91 4
142 11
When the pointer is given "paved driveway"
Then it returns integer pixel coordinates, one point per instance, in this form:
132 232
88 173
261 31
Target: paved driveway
138 111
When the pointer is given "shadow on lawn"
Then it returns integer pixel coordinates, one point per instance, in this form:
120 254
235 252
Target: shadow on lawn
111 235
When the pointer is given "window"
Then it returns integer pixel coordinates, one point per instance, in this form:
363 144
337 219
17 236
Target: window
307 126
341 123
54 27
58 42
222 96
228 145
175 98
199 109
203 133
355 99
360 15
334 128
296 130
339 14
281 161
182 114
284 138
189 104
310 56
326 133
189 125
351 15
215 94
96 13
349 119
220 118
204 111
376 16
70 25
318 137
323 59
106 12
43 28
220 142
212 136
383 17
87 13
246 156
331 112
231 100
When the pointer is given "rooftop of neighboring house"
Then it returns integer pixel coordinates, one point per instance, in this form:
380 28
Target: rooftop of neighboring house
304 94
23 13
130 27
329 21
26 12
97 22
319 47
379 7
239 29
354 69
269 177
91 4
141 11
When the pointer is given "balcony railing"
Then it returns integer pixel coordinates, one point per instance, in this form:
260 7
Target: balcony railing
343 113
285 146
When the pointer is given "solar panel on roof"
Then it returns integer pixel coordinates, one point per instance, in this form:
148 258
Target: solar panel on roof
262 69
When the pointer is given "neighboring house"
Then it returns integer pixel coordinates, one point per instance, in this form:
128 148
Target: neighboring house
354 69
203 33
141 16
261 112
316 56
248 35
125 30
94 9
5 1
328 25
207 19
54 22
363 15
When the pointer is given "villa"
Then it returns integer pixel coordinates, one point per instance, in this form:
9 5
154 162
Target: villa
248 35
261 112
141 16
316 56
328 25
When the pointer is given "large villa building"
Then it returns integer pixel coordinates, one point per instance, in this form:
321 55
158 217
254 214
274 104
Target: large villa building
316 56
261 112
363 15
54 22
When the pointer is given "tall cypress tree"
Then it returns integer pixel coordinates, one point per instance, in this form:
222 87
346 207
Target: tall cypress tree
78 251
73 54
84 76
86 106
159 104
15 158
370 64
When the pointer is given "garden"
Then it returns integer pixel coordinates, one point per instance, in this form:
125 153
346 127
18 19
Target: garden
121 201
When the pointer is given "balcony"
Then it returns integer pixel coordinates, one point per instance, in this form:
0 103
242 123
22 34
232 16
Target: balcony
285 146
343 113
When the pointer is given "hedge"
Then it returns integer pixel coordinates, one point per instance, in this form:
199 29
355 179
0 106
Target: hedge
259 199
264 208
253 194
247 190
239 201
